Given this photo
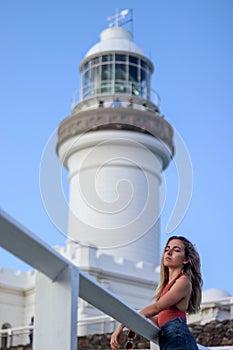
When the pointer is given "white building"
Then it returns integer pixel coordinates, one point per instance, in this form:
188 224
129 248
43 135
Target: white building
217 304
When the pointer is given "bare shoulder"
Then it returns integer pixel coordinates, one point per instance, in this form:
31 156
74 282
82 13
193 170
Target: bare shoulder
184 280
185 283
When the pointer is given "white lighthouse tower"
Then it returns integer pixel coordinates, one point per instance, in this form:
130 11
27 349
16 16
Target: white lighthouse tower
115 145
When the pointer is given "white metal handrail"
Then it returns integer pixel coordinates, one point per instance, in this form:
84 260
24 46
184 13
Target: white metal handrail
16 331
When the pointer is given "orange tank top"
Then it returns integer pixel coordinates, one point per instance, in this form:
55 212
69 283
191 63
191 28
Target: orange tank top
171 312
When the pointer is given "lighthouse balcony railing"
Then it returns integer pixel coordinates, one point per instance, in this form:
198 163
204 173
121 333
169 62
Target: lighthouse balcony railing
59 283
121 88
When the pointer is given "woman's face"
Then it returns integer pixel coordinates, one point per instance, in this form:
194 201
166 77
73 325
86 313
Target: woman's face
174 254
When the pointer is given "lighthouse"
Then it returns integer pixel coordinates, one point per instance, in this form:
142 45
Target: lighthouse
115 146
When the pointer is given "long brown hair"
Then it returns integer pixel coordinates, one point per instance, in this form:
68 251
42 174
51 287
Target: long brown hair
192 269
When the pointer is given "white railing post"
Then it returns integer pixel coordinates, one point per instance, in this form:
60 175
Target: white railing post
154 346
56 311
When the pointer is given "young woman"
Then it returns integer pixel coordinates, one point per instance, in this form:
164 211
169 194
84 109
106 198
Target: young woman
178 293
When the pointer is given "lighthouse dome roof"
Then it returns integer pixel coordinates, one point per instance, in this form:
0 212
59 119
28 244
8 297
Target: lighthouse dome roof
214 294
115 39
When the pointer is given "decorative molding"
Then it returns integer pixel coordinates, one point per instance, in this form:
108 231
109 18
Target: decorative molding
116 119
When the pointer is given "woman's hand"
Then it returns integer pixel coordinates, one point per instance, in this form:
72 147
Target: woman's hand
116 336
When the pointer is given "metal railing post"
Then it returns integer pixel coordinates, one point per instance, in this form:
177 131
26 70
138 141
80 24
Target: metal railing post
56 311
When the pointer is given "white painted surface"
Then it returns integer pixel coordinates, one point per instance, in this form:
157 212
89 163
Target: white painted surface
113 39
115 199
56 311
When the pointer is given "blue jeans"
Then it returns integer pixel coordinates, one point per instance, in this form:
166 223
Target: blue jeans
175 335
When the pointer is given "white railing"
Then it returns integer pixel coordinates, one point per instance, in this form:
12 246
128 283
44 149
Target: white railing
102 89
58 285
11 334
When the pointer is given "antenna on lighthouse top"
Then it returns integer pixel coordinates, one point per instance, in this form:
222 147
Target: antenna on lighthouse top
117 18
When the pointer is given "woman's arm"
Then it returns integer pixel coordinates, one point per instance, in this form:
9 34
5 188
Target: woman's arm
177 292
154 319
116 336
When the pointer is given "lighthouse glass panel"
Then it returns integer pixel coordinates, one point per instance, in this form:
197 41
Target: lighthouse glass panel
133 59
120 58
143 83
133 80
120 78
116 73
106 58
106 78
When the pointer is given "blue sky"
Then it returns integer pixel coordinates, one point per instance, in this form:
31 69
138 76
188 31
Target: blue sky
190 43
